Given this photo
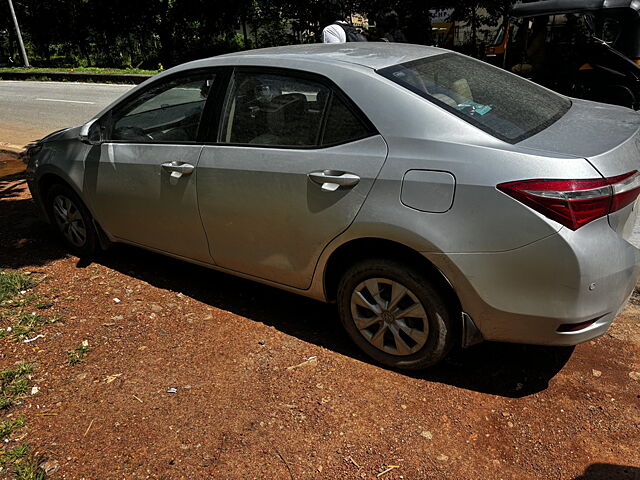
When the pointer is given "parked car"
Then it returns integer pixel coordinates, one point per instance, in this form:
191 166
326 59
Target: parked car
437 199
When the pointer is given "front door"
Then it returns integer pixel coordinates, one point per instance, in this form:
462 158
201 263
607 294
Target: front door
145 190
293 165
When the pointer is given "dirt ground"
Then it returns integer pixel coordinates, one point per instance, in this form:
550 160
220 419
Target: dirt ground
492 411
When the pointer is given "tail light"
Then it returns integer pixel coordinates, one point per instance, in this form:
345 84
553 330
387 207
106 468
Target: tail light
574 203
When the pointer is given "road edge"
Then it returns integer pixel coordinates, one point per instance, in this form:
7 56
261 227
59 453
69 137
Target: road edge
119 78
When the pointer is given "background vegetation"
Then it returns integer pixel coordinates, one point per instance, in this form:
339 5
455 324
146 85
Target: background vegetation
152 34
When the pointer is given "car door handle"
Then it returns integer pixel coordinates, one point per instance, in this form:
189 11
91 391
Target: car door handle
177 167
331 180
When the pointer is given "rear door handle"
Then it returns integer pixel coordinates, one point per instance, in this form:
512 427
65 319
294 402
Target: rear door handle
331 180
178 168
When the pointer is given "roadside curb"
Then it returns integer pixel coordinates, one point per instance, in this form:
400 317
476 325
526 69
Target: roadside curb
11 148
125 78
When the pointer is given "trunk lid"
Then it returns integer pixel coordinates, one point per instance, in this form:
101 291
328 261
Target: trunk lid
608 137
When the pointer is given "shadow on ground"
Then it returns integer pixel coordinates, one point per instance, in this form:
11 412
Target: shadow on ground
25 239
498 369
606 471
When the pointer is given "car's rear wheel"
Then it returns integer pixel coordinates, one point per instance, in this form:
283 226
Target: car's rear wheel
395 314
72 220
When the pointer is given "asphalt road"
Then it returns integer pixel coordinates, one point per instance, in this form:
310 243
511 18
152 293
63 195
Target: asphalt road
31 110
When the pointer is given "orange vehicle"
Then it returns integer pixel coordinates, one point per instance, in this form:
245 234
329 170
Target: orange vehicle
582 48
495 52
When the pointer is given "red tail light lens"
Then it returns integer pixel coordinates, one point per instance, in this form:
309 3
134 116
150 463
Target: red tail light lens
574 203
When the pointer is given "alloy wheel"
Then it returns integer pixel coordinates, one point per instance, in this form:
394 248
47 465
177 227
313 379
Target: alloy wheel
69 220
389 316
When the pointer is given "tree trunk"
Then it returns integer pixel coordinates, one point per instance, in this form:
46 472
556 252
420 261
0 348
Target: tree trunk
165 33
474 30
244 30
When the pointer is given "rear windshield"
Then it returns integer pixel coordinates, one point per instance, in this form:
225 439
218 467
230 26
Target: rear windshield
504 105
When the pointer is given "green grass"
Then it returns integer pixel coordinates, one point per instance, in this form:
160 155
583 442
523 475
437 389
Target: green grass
26 324
16 308
43 304
7 428
22 463
28 468
80 70
16 453
12 283
14 383
18 461
76 355
20 371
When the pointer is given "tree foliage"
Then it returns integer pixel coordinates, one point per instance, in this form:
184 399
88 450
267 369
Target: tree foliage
148 33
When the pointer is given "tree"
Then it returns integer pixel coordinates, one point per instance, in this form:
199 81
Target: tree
145 33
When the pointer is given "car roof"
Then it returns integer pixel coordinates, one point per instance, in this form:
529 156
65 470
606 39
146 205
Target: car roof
373 55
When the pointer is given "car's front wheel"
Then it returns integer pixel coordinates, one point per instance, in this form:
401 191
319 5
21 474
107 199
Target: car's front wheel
72 220
395 314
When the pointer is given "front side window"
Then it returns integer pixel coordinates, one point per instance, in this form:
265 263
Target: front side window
274 109
504 105
168 112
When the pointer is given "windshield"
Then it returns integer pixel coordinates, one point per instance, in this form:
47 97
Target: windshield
504 105
499 36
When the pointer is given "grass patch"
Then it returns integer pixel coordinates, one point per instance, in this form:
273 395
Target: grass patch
43 304
16 453
134 71
26 324
77 355
22 463
8 427
16 305
29 467
14 383
12 283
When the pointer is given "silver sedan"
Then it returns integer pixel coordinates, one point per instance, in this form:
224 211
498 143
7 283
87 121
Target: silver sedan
439 201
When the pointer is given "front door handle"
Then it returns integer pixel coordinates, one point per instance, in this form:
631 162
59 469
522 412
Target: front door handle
331 180
178 168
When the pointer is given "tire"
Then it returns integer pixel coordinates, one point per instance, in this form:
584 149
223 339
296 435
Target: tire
415 333
72 220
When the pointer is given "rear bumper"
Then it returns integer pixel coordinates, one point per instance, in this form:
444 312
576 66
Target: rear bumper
525 295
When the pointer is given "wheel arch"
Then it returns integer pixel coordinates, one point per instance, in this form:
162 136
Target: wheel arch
359 249
52 177
47 180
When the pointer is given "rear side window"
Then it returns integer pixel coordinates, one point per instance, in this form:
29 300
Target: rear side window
342 124
504 105
288 109
272 109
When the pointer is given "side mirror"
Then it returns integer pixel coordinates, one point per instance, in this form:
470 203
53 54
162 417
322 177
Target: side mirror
90 132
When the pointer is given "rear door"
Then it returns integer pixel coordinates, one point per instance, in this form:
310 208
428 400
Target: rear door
293 163
145 186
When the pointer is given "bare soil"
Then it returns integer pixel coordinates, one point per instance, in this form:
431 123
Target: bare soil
239 412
